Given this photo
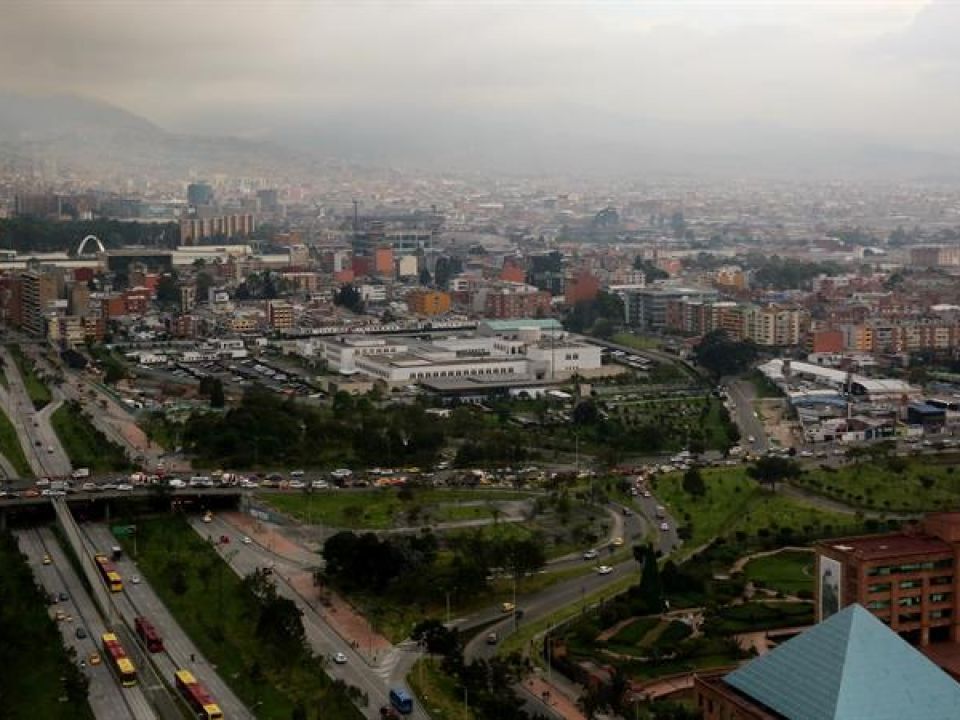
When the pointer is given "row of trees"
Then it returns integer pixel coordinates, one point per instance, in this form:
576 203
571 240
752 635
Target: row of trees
408 566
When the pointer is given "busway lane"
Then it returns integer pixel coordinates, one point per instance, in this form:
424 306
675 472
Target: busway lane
179 651
108 699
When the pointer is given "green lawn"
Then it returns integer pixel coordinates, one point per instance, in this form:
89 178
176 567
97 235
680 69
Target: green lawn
762 386
84 444
788 572
756 616
11 448
640 342
211 604
379 509
39 393
39 669
733 502
632 634
895 485
437 692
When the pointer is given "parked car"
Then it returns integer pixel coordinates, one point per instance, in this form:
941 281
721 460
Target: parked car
591 554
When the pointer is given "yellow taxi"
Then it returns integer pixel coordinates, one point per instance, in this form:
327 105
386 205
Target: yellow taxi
94 658
46 560
507 607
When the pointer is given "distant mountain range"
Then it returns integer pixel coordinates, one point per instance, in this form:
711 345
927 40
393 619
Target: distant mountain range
93 138
89 137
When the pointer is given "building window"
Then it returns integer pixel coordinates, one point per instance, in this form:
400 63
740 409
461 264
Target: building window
941 580
879 587
940 597
878 604
941 614
909 601
909 584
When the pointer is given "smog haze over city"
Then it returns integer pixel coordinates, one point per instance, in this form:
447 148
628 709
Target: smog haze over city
543 360
533 88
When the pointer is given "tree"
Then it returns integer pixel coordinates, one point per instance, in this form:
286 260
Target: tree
425 278
168 293
217 399
437 638
770 470
650 271
349 297
723 356
693 483
585 413
650 589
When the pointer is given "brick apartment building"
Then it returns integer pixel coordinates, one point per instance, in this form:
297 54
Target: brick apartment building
908 579
428 302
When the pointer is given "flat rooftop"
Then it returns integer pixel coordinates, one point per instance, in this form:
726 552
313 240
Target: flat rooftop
880 547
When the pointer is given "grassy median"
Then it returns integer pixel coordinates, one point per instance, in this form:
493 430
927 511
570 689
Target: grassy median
219 613
42 680
84 444
37 390
11 448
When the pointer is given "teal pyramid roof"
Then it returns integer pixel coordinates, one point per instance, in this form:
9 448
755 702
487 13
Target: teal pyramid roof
849 667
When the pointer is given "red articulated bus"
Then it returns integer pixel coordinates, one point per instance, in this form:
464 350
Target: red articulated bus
118 660
196 696
148 633
108 571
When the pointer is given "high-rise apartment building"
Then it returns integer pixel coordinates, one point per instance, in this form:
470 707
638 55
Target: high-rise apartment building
279 314
195 229
37 291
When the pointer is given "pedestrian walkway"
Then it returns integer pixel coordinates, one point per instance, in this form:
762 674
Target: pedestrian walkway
552 698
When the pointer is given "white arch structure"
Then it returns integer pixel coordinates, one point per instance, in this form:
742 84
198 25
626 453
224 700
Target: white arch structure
88 238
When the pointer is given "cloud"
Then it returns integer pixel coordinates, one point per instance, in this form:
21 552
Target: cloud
243 66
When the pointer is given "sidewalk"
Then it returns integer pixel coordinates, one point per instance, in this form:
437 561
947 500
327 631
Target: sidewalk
552 698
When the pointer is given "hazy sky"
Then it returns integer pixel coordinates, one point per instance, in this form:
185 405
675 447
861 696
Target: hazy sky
890 70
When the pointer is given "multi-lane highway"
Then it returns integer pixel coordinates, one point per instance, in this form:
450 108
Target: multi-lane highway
40 443
108 700
139 599
374 679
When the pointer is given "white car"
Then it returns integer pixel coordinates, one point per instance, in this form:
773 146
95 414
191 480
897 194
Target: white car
646 494
124 487
604 570
246 540
135 579
340 659
664 526
591 555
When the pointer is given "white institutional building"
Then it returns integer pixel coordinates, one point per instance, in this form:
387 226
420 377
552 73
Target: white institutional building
511 350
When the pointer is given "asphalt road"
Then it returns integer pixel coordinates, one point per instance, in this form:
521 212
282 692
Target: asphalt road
140 600
108 699
374 680
576 590
34 430
742 393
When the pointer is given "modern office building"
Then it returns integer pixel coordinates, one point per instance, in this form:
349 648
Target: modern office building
850 667
646 308
37 291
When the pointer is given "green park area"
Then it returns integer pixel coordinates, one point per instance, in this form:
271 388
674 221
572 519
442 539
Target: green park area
84 444
37 390
385 508
11 448
397 580
438 692
789 572
640 342
42 679
733 503
254 637
890 484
